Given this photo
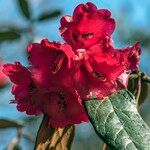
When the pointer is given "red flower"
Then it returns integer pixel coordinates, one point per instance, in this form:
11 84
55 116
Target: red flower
52 63
131 56
62 105
63 108
87 26
49 54
27 94
62 75
106 71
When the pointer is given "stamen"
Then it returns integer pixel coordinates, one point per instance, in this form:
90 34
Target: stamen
62 100
87 36
78 37
100 76
54 67
58 63
32 87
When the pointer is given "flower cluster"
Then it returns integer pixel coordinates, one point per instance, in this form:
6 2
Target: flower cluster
62 75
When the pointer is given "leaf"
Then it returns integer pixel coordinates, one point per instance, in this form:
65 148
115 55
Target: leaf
6 123
117 121
9 35
24 7
51 138
49 15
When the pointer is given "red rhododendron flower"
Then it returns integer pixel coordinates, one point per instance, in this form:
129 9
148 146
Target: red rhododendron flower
27 95
45 54
87 26
50 55
54 74
63 102
106 71
63 108
131 56
62 75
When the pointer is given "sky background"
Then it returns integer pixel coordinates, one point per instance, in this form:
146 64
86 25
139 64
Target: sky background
131 16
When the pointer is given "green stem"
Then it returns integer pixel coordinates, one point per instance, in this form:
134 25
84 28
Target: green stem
138 92
146 78
143 76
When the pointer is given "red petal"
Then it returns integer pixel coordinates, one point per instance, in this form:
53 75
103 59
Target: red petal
87 27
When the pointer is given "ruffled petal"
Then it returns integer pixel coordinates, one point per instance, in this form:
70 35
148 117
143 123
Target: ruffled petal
88 26
63 108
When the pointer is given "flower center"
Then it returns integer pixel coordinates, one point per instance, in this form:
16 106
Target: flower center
99 76
54 67
32 87
78 37
57 63
62 100
87 36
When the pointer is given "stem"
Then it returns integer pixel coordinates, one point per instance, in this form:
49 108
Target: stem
143 76
15 140
54 138
138 92
43 135
29 137
104 146
146 78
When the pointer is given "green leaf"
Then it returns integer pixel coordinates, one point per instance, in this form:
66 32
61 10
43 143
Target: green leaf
24 7
117 121
49 15
54 138
9 35
6 123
